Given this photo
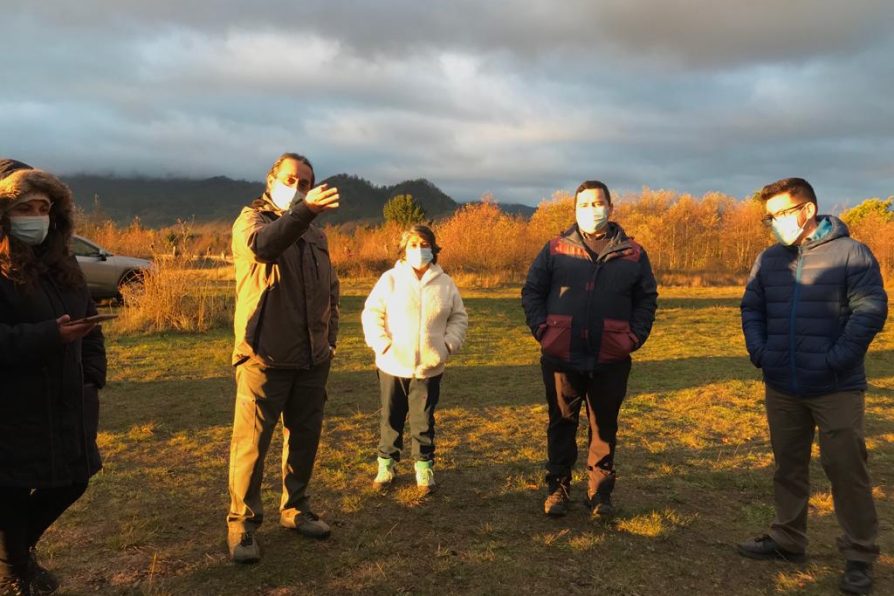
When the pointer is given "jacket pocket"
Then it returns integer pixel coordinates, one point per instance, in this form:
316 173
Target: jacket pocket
556 339
618 341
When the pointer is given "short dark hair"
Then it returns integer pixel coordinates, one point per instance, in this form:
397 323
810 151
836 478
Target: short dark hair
588 184
797 188
423 232
297 157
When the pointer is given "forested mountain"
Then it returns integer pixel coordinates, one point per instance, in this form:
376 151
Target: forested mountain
162 201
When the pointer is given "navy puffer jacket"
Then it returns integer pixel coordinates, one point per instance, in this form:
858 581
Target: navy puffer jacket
809 312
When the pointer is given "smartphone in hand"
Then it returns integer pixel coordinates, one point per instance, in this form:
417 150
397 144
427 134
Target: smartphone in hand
93 319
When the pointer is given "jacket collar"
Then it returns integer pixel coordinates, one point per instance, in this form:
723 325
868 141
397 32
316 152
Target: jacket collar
830 227
433 271
618 239
265 203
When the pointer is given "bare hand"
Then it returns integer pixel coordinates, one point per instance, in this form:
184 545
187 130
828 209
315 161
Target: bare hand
321 198
74 331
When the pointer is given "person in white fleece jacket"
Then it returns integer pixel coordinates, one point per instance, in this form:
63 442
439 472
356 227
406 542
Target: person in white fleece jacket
413 319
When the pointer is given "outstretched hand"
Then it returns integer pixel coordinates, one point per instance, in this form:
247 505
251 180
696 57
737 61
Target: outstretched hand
322 198
69 332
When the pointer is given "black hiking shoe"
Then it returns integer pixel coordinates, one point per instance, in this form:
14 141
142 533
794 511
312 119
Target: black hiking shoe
42 581
857 578
601 504
556 504
14 586
764 547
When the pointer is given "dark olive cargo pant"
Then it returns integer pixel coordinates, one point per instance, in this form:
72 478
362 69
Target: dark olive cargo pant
839 417
602 391
263 397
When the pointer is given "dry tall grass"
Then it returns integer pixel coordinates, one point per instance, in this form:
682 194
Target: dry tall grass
176 297
714 238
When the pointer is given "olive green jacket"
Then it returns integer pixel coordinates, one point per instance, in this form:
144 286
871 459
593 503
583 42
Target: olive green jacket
286 288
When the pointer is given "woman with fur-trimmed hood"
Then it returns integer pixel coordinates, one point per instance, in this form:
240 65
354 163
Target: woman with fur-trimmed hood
51 371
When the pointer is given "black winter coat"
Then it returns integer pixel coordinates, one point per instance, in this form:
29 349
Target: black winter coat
49 404
587 309
809 313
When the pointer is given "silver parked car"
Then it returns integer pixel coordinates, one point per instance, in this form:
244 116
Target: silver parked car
107 273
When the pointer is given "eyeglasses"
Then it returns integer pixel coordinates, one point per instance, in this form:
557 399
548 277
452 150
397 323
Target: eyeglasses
768 219
303 185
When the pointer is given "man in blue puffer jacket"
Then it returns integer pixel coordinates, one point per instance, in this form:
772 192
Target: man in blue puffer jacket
590 300
812 305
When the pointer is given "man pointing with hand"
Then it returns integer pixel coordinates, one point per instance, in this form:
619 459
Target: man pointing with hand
286 323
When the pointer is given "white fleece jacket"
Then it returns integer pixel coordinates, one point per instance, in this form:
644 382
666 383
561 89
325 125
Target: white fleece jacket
413 324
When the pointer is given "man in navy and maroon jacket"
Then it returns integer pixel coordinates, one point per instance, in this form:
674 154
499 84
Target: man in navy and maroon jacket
590 300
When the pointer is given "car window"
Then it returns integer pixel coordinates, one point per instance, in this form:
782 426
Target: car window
82 249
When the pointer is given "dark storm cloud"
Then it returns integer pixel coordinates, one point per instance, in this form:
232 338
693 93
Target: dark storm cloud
514 98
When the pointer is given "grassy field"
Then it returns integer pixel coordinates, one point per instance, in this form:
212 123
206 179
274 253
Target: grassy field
694 474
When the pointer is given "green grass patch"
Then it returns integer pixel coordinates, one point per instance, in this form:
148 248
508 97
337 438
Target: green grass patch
694 473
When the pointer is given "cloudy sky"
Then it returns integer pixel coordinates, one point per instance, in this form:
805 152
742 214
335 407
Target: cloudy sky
517 98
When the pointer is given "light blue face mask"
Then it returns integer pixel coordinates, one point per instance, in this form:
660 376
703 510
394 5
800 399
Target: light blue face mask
419 257
787 230
30 229
591 219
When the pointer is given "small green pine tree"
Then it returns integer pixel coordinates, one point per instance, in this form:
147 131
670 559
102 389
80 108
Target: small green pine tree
404 210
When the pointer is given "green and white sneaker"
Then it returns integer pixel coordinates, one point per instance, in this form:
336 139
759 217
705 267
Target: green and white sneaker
386 473
425 477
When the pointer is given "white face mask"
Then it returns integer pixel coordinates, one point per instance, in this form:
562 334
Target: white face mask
419 257
282 195
787 230
590 219
30 229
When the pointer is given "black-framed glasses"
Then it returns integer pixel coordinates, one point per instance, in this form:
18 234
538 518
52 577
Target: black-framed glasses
302 183
768 219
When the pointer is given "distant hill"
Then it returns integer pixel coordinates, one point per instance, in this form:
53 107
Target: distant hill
162 201
362 201
525 211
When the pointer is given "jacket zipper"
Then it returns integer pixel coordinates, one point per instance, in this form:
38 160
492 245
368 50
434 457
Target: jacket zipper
310 339
597 263
313 255
419 334
257 338
796 293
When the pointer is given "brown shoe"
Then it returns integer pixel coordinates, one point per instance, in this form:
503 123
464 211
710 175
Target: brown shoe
243 546
307 523
556 504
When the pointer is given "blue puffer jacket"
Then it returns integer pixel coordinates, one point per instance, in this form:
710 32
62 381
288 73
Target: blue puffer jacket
809 312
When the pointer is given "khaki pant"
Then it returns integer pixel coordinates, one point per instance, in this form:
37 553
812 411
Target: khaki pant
263 396
839 417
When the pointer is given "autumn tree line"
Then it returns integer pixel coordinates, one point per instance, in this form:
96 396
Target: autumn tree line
707 240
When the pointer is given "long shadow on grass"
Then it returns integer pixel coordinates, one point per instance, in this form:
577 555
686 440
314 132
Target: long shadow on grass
484 530
195 404
698 303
